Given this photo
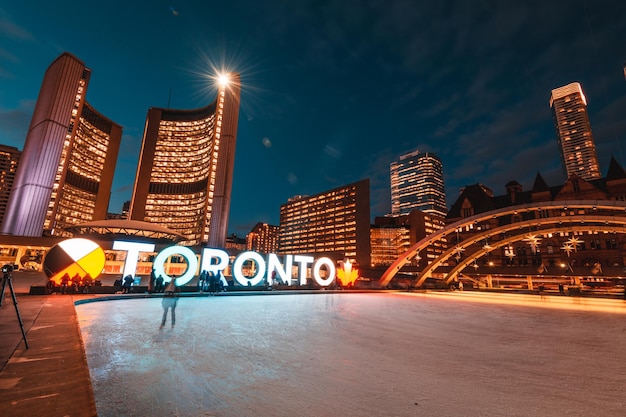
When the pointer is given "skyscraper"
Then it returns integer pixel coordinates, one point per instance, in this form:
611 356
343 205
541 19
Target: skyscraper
66 170
185 172
9 159
573 132
417 184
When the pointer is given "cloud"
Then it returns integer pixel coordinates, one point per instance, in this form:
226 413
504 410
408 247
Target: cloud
12 29
15 123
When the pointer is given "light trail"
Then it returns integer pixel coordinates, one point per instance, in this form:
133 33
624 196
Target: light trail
598 305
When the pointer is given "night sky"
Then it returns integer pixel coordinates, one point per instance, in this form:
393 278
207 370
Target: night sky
334 91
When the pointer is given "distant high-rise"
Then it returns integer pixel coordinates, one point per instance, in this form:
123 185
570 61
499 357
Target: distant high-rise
573 131
9 159
263 238
417 184
185 172
66 169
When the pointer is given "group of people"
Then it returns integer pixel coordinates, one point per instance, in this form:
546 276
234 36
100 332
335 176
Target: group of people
74 285
210 282
156 284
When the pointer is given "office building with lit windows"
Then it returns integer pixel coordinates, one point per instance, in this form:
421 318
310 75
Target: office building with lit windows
9 158
263 238
185 171
392 235
66 169
334 223
573 132
417 184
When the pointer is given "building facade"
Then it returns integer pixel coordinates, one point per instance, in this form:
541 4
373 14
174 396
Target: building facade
66 169
393 235
9 159
417 184
561 250
263 238
334 223
185 171
573 132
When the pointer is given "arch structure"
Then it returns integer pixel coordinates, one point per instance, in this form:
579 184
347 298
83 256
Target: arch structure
484 232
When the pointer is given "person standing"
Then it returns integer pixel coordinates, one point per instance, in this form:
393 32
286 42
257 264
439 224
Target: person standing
159 284
152 282
65 279
127 284
170 299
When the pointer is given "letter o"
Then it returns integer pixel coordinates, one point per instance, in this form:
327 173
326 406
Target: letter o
185 252
331 272
238 264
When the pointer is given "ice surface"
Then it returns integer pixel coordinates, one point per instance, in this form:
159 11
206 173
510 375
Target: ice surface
355 355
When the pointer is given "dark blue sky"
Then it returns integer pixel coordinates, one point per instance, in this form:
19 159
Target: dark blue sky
334 91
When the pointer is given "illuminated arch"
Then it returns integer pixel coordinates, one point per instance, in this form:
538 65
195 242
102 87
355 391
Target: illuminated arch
481 252
573 217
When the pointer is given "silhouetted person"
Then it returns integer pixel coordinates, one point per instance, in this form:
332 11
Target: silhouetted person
152 282
65 280
50 286
201 281
127 284
76 283
159 284
170 299
87 283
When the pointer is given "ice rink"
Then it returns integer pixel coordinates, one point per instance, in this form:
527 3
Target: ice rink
382 354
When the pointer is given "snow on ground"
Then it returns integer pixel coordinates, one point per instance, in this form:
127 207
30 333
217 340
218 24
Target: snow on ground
356 355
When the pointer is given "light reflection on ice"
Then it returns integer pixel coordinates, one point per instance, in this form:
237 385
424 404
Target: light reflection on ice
350 355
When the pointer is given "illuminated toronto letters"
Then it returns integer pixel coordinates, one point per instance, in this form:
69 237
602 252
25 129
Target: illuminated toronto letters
216 260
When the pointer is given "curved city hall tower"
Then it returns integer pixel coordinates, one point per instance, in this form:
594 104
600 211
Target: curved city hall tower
66 170
185 171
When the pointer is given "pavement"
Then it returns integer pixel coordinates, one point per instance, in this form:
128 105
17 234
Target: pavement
51 376
475 354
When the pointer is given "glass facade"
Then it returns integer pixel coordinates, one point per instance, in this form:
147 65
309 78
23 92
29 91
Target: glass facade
417 184
388 243
393 235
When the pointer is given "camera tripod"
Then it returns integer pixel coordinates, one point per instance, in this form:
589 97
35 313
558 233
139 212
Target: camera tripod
7 279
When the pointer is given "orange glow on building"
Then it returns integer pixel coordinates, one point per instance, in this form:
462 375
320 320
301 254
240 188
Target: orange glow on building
334 223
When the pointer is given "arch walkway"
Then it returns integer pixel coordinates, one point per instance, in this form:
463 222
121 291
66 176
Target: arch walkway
485 232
